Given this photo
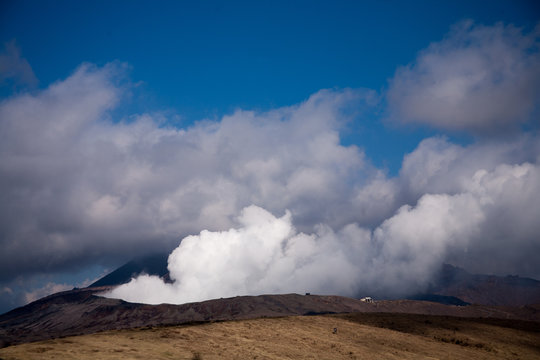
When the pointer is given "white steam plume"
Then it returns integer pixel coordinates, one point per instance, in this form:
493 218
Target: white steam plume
264 255
267 255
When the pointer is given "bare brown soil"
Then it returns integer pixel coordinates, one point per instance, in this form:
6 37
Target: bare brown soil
358 336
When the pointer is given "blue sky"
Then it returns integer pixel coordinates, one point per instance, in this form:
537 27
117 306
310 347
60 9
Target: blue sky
127 126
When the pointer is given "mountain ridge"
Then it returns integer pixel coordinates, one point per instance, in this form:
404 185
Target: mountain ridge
83 311
453 292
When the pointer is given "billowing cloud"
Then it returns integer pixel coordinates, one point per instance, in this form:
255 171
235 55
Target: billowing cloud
501 177
476 206
482 79
440 166
78 186
15 68
265 254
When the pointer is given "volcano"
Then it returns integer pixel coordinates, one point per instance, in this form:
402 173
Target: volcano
84 311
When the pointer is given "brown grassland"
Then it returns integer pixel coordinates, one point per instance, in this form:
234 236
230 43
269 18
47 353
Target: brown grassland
358 336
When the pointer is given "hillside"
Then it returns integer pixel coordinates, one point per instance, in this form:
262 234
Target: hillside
80 311
358 336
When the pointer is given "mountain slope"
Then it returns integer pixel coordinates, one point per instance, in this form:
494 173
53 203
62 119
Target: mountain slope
485 289
358 336
80 311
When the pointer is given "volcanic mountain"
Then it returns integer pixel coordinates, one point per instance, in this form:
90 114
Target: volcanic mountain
485 289
83 311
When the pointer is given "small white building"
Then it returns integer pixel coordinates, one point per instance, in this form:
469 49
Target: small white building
367 299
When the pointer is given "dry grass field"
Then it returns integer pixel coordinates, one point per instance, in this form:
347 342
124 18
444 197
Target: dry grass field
358 336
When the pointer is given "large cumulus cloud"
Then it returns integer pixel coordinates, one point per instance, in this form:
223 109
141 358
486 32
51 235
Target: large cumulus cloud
264 255
483 79
481 227
78 186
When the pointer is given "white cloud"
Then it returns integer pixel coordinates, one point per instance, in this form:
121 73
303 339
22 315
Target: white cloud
483 79
266 254
15 68
78 186
502 179
440 166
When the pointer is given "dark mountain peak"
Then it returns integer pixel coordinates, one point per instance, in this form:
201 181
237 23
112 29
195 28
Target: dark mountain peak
485 289
154 264
450 274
